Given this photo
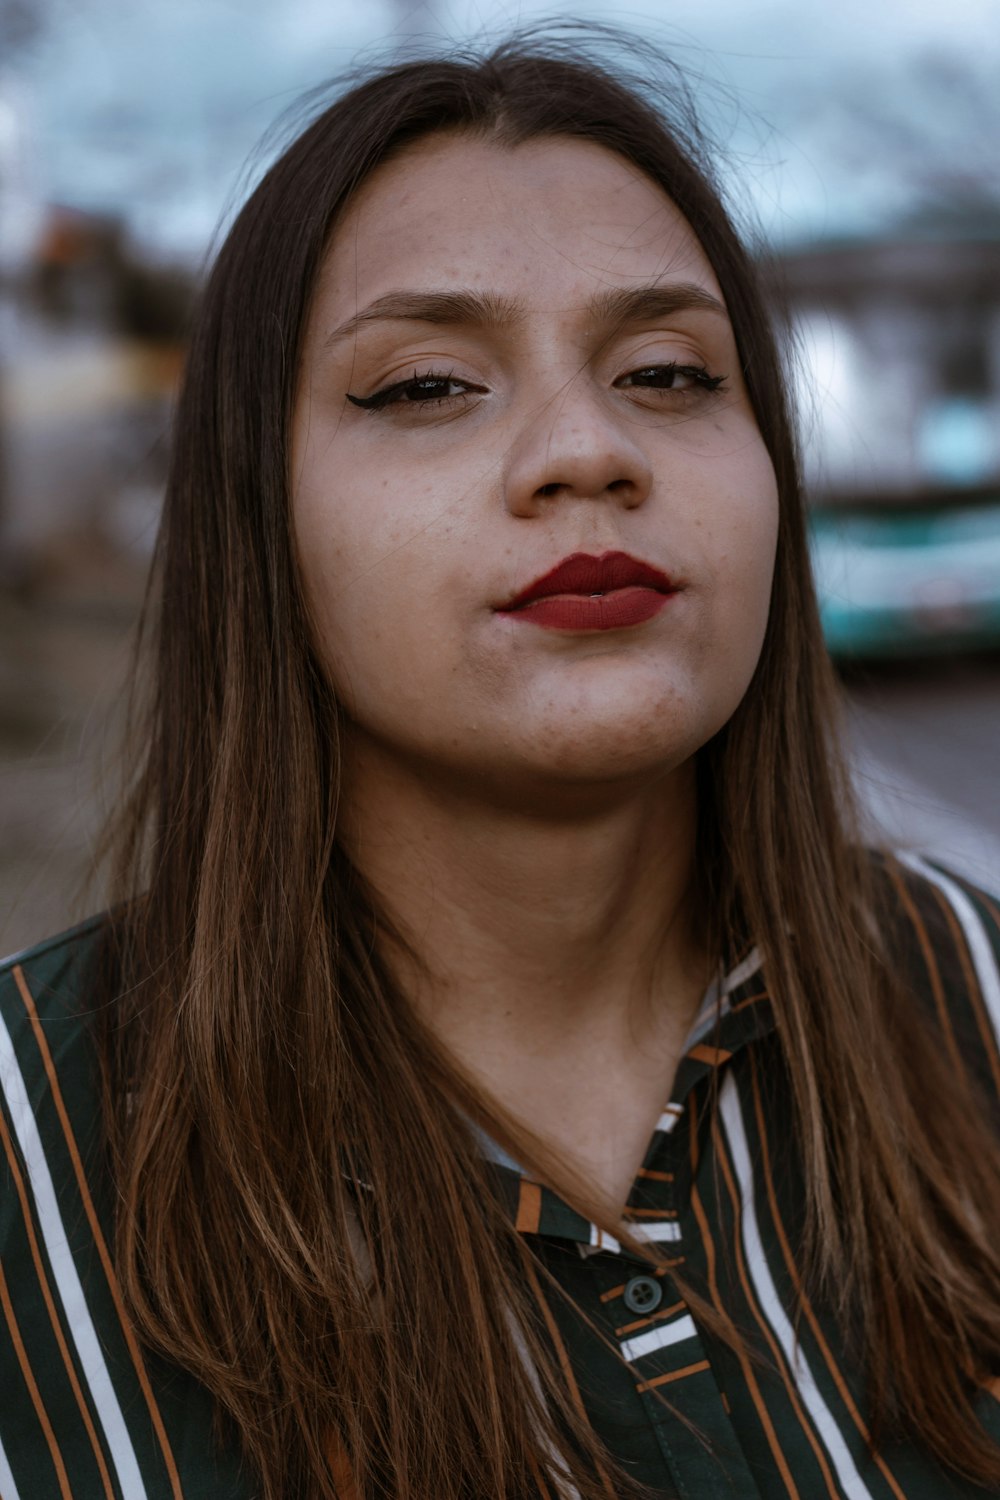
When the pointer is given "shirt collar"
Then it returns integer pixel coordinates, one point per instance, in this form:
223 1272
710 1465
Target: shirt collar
735 1011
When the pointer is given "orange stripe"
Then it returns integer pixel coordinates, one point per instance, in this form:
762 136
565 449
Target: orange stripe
557 1343
947 1022
565 1365
986 1032
536 1474
800 1291
693 1147
99 1241
714 1056
763 1414
529 1207
649 1385
776 1351
933 973
36 1397
46 1291
652 1176
649 1213
750 1000
993 1387
666 1312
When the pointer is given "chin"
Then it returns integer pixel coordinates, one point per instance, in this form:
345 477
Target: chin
615 750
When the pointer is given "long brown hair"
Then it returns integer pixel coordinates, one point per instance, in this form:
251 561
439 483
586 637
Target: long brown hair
301 1189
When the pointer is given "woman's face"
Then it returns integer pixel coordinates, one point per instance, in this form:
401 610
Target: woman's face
517 356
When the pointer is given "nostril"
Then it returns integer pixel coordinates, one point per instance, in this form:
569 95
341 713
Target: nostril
616 487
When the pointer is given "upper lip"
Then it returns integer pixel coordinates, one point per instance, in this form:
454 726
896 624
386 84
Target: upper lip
580 573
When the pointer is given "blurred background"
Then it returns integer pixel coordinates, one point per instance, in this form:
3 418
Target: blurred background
861 140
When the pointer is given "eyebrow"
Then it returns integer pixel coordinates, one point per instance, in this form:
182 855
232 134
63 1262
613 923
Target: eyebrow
615 306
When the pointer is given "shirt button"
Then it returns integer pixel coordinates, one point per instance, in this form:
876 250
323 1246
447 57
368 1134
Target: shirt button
643 1294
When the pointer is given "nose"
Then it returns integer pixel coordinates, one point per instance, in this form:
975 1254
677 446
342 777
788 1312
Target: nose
579 448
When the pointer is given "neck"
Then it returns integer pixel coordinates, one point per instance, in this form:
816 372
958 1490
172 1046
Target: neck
531 930
551 953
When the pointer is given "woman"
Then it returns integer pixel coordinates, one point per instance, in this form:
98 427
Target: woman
505 1074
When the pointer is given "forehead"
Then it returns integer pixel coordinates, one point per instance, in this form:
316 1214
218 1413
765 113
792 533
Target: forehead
548 219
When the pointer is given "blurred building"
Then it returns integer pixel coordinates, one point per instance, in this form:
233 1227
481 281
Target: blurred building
20 204
898 342
90 351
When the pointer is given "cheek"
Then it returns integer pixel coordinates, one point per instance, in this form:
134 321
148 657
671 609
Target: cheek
369 566
738 535
747 547
337 557
748 533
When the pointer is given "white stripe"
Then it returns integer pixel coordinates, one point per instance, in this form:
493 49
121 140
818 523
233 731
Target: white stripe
67 1280
715 1003
713 1007
669 1117
602 1241
983 957
742 972
660 1337
8 1489
558 1472
847 1475
656 1233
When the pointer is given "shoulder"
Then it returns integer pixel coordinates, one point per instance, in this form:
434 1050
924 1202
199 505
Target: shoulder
941 934
50 1081
47 1008
952 924
84 1407
56 1199
57 954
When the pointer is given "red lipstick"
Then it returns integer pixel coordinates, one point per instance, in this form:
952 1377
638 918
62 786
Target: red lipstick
593 593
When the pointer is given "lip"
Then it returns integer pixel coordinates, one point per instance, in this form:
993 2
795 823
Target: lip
584 592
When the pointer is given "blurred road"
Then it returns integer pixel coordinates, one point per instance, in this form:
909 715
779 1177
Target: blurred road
925 742
61 674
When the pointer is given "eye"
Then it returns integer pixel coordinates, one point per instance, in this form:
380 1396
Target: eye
671 377
419 390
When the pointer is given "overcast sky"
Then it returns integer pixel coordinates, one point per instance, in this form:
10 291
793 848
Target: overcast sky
849 114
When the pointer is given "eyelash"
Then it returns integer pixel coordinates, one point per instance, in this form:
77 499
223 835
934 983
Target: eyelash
394 395
702 379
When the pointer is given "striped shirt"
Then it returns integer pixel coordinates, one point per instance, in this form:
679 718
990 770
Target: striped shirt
86 1413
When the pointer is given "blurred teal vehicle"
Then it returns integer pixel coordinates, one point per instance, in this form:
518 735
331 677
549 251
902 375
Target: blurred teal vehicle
908 580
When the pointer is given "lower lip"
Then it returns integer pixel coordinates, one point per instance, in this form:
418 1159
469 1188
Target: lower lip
614 611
